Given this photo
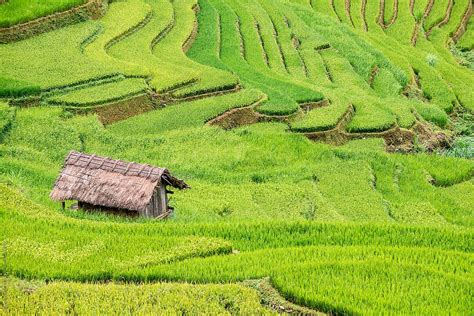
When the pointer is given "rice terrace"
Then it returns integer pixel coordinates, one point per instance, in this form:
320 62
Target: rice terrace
240 157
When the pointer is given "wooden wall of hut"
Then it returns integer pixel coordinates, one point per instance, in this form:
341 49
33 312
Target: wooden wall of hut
158 205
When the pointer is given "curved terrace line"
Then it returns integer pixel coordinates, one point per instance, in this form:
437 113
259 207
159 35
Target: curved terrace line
278 42
262 43
419 24
164 32
192 36
92 9
333 6
128 32
394 17
463 24
362 13
444 21
381 14
347 5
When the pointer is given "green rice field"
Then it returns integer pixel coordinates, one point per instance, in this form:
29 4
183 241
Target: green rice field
328 146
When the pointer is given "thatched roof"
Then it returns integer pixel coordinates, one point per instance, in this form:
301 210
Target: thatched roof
112 183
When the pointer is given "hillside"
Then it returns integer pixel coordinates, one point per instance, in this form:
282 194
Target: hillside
328 146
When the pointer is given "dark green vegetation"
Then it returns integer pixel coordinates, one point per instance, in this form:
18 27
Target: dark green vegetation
342 229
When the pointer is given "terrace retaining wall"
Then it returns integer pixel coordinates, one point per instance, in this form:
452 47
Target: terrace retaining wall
92 9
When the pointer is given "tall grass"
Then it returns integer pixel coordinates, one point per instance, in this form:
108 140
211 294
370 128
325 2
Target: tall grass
7 117
349 229
162 298
243 185
19 11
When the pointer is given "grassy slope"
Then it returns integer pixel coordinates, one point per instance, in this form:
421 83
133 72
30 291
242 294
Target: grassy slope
19 11
255 200
354 218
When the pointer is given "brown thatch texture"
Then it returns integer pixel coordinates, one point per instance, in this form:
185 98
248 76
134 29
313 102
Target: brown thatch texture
107 182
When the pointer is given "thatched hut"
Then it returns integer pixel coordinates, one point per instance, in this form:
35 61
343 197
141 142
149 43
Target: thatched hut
100 183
